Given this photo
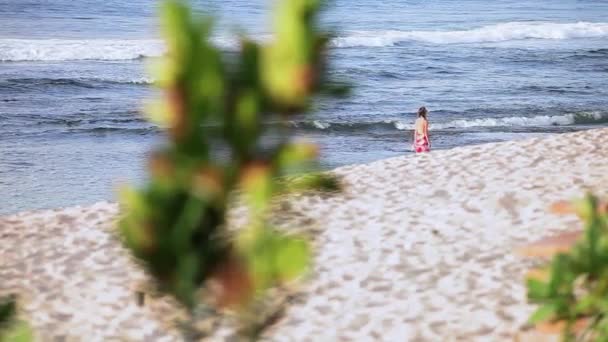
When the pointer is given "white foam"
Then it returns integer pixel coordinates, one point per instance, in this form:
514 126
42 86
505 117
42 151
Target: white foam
125 49
78 49
542 120
402 126
492 33
62 49
143 80
117 79
321 125
128 80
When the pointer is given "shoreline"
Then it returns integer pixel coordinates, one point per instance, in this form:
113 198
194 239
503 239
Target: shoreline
65 178
325 166
416 247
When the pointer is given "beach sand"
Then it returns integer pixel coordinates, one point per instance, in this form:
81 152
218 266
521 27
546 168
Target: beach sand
417 247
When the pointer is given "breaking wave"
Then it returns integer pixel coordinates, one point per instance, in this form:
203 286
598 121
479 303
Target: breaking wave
19 50
492 33
124 49
515 121
62 50
83 82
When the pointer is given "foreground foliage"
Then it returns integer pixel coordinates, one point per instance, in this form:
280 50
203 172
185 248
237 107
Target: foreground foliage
176 224
12 329
577 287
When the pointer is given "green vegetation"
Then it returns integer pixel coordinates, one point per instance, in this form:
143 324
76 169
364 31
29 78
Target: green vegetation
176 225
577 287
12 329
7 311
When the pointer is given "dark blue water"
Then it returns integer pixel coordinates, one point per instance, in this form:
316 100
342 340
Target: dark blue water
73 80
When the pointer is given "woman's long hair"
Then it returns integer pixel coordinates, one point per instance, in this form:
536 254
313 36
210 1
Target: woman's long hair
422 112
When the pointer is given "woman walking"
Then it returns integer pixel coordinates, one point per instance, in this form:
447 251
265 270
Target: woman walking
422 143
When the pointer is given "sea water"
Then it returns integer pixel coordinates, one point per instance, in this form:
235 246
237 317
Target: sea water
73 80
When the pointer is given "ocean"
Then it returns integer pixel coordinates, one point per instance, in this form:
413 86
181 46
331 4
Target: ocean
73 81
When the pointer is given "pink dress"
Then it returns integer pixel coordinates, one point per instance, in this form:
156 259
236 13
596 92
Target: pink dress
421 143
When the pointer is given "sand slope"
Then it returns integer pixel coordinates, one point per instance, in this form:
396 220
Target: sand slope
416 248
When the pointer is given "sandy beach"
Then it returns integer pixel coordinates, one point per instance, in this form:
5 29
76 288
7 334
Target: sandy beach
418 247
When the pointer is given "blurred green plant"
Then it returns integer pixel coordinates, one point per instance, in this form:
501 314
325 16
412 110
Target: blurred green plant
11 328
176 224
7 311
577 286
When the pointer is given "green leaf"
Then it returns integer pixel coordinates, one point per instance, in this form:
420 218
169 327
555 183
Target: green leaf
543 313
295 155
317 182
175 19
293 258
8 310
185 286
18 332
585 304
537 289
